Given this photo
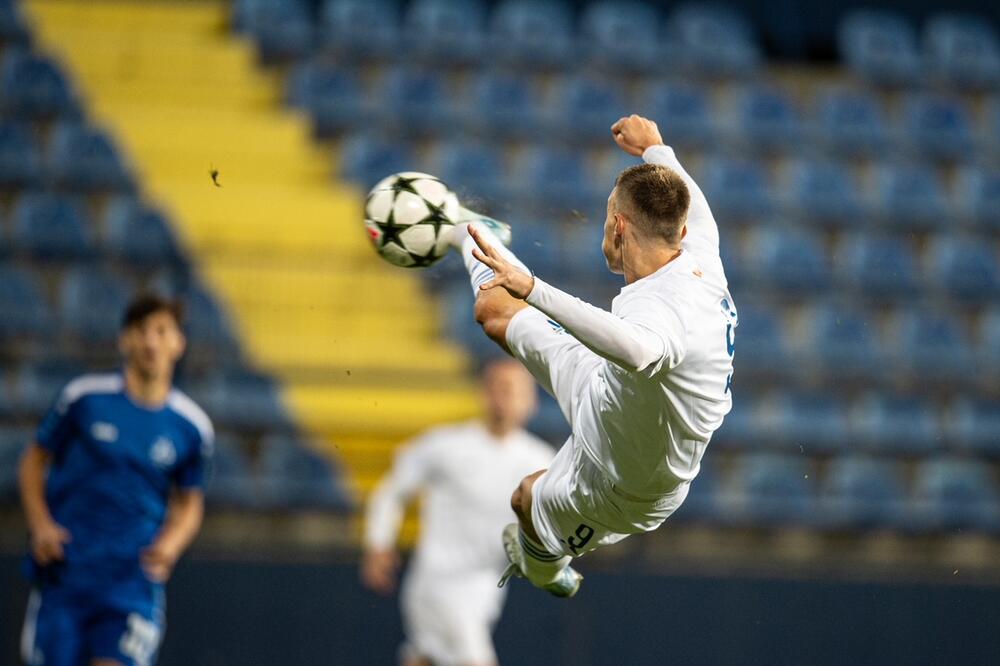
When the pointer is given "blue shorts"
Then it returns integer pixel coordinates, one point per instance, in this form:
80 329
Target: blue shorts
70 628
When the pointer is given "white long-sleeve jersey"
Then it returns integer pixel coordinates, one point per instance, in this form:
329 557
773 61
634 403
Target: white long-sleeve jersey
668 345
466 476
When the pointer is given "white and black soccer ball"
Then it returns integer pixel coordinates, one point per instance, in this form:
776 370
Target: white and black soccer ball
409 217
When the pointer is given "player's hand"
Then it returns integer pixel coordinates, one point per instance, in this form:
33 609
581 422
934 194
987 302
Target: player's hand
378 570
47 541
517 283
158 560
635 134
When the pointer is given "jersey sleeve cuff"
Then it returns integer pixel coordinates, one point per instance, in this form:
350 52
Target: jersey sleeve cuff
658 154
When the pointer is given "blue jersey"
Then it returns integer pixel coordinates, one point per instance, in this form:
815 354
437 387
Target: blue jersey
114 463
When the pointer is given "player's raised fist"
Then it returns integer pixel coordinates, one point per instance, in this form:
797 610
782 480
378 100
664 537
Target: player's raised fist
635 134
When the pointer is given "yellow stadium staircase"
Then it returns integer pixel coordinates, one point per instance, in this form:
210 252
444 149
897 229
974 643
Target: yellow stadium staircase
354 341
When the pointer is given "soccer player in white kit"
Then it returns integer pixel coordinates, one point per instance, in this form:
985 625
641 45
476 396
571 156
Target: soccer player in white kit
643 386
450 600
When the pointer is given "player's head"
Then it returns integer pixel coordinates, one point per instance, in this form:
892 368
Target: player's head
647 206
509 392
151 339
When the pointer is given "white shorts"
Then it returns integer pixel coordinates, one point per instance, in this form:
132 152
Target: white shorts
575 507
450 619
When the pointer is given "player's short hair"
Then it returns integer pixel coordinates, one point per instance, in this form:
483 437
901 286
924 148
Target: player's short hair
655 198
144 305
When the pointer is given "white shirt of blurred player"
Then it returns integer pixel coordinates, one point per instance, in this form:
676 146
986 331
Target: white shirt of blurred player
466 476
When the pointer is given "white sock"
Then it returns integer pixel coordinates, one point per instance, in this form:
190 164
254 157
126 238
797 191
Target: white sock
480 273
541 566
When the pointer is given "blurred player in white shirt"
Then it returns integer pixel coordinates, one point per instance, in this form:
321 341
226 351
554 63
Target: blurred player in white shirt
449 599
643 386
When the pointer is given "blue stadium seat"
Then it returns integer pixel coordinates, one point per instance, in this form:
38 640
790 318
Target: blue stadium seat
360 29
806 422
897 424
446 32
586 108
282 29
503 105
207 325
739 189
12 443
876 264
978 194
748 425
761 339
931 345
845 341
532 34
20 158
50 226
37 385
33 86
955 493
702 502
138 234
910 196
879 46
82 158
366 159
556 180
989 341
91 303
621 36
474 172
773 490
975 425
685 109
824 192
790 259
938 127
13 28
851 122
332 96
963 50
245 400
767 119
966 267
862 492
24 309
231 482
303 478
415 102
713 39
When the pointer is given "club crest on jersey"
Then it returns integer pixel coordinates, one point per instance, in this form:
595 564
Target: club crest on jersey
104 432
162 452
556 326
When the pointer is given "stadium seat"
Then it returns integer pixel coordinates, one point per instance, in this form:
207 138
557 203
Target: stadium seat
880 46
208 326
360 29
13 27
910 196
761 341
975 425
530 34
445 32
772 490
876 264
930 345
231 482
332 96
585 109
862 492
747 426
713 40
989 341
851 122
33 86
556 180
738 189
621 36
365 159
244 400
415 102
965 266
138 234
683 108
845 341
702 502
282 29
955 493
897 424
474 172
503 105
49 226
790 259
20 158
24 311
12 443
963 50
37 385
87 160
303 479
824 192
978 195
938 127
766 119
805 422
91 303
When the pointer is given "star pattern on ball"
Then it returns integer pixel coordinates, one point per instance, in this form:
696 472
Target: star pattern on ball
403 184
423 260
390 230
436 217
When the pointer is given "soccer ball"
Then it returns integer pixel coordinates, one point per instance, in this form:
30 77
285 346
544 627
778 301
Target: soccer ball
409 217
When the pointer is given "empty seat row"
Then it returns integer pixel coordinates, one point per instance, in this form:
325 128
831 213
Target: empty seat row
34 86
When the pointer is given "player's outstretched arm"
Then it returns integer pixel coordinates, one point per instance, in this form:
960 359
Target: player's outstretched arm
184 517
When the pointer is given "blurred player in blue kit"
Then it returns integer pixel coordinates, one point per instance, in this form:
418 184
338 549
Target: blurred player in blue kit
112 493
